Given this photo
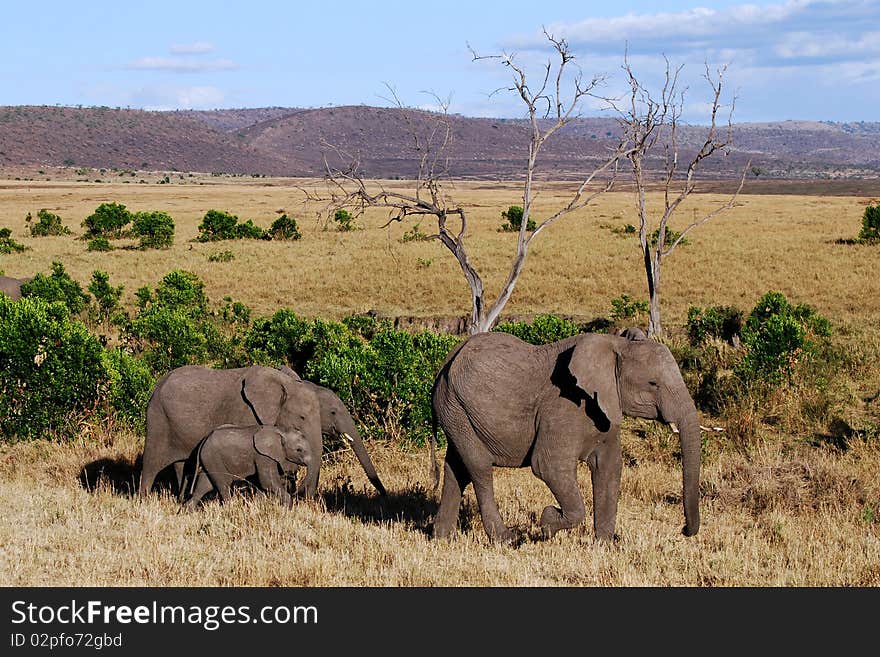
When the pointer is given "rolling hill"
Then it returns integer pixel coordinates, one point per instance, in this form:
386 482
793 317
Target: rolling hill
278 141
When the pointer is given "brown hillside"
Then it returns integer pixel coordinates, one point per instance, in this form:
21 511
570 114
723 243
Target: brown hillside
294 142
125 139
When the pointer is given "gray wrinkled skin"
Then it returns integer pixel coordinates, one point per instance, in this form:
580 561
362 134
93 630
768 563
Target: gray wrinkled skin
505 403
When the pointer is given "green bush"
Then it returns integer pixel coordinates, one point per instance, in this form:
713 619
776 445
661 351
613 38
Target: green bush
544 329
48 224
58 286
722 322
221 225
155 229
130 384
217 225
870 231
624 308
415 234
284 228
172 326
384 376
669 240
99 243
108 220
8 243
106 297
249 231
51 369
344 221
513 220
776 334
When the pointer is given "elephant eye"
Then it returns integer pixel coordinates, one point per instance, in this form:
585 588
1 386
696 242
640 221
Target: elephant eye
652 383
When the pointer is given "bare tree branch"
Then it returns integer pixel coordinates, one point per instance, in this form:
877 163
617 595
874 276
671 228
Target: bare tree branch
645 122
550 105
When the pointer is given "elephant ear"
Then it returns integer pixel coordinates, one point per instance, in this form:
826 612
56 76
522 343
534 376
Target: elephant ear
267 441
265 393
593 364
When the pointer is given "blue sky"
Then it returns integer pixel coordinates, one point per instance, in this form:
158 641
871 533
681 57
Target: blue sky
787 59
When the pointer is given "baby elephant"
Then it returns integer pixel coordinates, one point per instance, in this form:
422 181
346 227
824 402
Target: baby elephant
232 452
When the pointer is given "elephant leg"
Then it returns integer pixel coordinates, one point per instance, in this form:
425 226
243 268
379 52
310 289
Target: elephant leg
202 487
179 477
605 466
560 475
270 479
455 480
152 462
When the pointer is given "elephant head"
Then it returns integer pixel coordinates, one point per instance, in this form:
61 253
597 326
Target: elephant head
337 422
288 446
640 378
290 405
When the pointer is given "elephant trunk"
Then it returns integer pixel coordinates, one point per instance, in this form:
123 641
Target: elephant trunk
357 444
689 433
686 420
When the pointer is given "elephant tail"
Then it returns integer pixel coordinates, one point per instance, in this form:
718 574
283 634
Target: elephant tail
196 465
435 467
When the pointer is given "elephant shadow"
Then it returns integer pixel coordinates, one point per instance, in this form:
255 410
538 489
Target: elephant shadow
413 506
121 475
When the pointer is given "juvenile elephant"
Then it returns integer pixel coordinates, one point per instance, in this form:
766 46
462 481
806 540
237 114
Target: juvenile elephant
503 402
11 287
337 422
190 401
232 453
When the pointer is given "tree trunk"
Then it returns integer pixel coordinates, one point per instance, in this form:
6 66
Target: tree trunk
652 271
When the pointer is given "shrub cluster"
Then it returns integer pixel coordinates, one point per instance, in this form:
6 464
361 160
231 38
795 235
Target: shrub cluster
155 229
8 243
108 220
173 325
383 375
730 359
221 225
513 217
542 330
870 232
57 286
284 228
55 375
344 221
49 224
51 369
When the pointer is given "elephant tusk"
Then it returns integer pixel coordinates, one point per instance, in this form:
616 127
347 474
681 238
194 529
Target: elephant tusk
347 437
674 427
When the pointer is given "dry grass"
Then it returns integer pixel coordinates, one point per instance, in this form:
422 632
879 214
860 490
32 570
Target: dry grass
786 520
777 511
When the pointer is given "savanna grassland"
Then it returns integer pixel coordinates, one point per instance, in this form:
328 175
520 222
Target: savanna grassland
788 497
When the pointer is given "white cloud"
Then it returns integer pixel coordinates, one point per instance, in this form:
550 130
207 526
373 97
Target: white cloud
789 33
167 97
182 65
780 55
196 48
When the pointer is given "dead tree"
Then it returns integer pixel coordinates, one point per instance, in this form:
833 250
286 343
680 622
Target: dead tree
650 123
550 106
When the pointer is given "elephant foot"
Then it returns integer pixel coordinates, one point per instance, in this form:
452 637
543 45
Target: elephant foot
439 532
553 519
505 537
607 537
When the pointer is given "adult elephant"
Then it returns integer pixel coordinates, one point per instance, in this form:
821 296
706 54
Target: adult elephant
503 402
11 287
189 402
337 423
